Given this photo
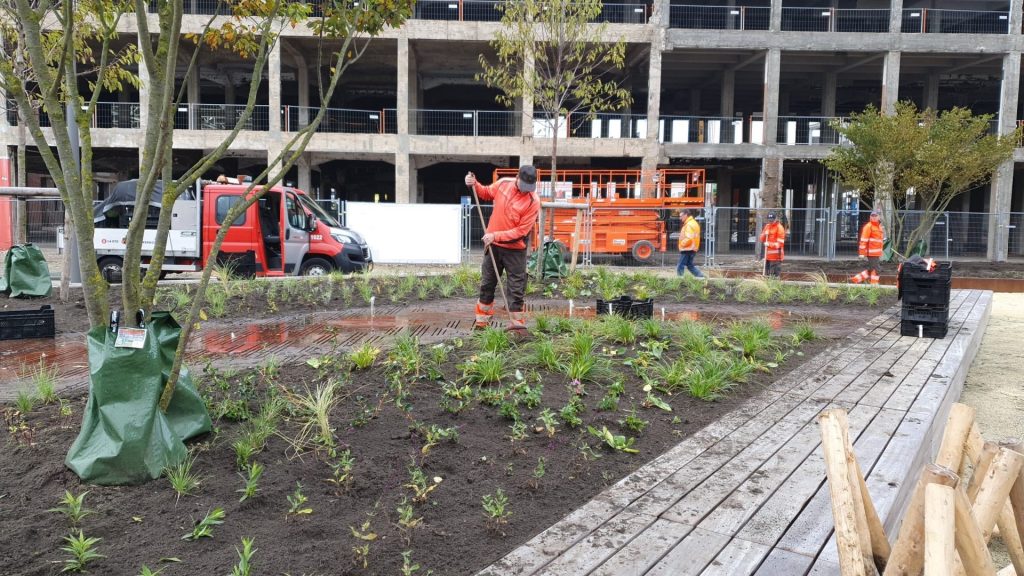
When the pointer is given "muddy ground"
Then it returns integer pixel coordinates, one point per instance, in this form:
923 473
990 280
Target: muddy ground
140 525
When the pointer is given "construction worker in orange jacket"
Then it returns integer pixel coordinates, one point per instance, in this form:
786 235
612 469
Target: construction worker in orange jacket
689 244
872 242
773 237
516 206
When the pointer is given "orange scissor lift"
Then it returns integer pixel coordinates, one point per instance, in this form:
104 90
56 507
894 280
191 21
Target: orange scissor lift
625 214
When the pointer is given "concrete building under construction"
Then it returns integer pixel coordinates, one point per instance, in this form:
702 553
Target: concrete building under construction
746 89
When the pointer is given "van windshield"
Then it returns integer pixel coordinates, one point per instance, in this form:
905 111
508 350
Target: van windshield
320 213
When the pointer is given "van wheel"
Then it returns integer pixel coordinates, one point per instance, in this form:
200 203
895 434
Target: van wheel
316 267
111 268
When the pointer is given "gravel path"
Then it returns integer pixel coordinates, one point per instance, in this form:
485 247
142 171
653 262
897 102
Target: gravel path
994 382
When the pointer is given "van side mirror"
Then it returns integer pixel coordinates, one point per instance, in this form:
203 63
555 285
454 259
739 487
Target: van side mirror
310 223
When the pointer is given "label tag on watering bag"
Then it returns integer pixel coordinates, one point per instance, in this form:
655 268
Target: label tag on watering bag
130 338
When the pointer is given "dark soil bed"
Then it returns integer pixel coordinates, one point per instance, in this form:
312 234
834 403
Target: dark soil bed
961 268
144 524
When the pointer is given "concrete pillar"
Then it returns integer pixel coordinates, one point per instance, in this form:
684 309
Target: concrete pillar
890 82
192 89
229 90
652 147
895 16
1016 8
302 77
728 104
274 87
775 18
305 180
931 92
143 103
1002 184
405 179
660 13
771 181
772 62
526 153
828 94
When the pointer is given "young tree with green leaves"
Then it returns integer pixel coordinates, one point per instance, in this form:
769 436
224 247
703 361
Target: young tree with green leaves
550 53
53 43
937 156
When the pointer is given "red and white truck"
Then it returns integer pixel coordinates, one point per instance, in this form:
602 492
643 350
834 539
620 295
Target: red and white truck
284 233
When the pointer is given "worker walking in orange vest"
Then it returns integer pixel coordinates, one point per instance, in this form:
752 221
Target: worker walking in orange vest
516 205
773 236
872 241
689 244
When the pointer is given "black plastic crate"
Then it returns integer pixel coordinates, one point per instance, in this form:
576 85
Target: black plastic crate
628 307
930 313
23 324
924 329
919 286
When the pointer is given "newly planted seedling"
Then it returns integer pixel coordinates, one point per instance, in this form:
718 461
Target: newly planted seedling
252 480
73 507
485 368
633 421
43 380
538 473
341 464
614 441
25 401
492 340
314 407
751 337
419 485
204 528
456 398
433 435
543 354
409 567
82 552
804 333
364 356
407 515
547 419
244 566
182 479
570 413
496 508
297 502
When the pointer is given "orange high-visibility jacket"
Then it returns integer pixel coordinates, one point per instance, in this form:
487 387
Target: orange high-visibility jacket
774 239
514 212
872 238
689 236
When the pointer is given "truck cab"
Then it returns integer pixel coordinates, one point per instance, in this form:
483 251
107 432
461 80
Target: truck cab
285 232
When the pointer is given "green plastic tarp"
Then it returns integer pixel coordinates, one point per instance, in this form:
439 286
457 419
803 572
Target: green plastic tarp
125 437
25 272
554 261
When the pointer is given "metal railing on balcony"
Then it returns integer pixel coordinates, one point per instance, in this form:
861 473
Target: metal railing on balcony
835 20
720 17
465 122
116 115
340 120
808 130
708 130
206 7
927 20
488 11
608 125
220 117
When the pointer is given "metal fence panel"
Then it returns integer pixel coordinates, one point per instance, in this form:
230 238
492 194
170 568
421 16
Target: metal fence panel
720 17
466 122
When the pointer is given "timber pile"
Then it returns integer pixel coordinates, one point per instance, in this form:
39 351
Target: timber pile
972 490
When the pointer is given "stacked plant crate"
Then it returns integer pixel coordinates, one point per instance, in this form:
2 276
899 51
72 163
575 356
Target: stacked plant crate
925 296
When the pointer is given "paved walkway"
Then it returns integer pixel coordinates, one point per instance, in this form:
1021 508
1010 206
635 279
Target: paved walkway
747 494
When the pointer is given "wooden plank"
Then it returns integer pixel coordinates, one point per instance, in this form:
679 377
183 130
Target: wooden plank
766 482
644 551
678 485
738 557
800 508
781 562
697 503
692 555
599 545
939 523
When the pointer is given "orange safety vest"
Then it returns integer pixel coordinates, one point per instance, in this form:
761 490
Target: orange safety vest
872 239
774 239
689 236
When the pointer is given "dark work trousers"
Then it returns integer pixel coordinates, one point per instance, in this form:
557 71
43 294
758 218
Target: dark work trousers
773 268
513 264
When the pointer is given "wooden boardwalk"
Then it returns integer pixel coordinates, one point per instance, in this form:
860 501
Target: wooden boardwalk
747 494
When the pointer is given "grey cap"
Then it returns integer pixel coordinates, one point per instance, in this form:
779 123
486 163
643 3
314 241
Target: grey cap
527 180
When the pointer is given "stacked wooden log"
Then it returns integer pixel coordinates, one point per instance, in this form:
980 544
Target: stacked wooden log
973 489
